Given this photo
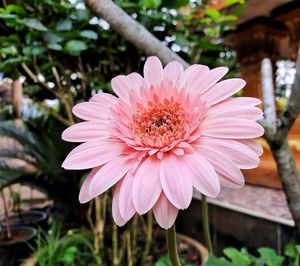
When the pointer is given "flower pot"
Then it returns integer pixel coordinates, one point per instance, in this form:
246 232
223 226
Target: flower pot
189 249
33 218
13 251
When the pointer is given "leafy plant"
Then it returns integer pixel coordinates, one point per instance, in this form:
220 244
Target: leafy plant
235 257
53 247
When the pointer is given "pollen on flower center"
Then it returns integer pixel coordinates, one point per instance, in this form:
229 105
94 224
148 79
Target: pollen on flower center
160 124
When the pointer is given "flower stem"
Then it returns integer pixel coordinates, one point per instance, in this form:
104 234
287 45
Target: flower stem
172 246
205 218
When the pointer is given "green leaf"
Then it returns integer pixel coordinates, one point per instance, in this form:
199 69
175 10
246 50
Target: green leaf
213 13
89 34
55 46
80 14
290 249
9 50
181 40
175 3
64 25
237 257
151 4
214 261
51 37
270 257
232 2
33 50
34 24
163 261
209 31
15 9
75 46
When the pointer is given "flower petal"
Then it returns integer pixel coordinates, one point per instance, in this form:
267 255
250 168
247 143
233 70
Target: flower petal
229 174
121 86
146 185
176 181
241 101
92 154
204 176
109 175
153 71
205 82
137 82
126 206
84 195
115 206
253 145
92 111
173 71
233 128
164 212
223 89
86 131
242 156
105 98
192 74
245 112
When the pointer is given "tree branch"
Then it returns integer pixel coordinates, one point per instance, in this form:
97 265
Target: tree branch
292 109
132 31
268 94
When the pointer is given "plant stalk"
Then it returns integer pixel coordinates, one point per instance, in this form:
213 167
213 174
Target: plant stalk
172 246
8 230
149 234
205 222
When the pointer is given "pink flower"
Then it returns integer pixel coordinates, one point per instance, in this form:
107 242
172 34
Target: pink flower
167 133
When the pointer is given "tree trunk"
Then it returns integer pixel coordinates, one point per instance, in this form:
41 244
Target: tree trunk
289 176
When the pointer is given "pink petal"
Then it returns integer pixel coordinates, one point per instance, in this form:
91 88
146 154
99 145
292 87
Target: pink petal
223 90
253 145
146 185
105 99
86 131
241 101
173 71
84 195
115 206
205 82
245 112
176 181
153 71
92 154
192 74
92 111
234 128
121 86
204 176
164 212
126 206
238 153
137 82
228 173
109 175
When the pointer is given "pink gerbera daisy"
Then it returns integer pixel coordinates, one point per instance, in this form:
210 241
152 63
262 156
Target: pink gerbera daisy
165 134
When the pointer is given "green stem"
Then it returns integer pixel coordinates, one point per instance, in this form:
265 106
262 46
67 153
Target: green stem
172 246
205 218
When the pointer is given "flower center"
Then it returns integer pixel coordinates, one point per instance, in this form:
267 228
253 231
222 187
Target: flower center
160 124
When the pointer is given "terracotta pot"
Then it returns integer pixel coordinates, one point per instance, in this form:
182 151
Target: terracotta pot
183 240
